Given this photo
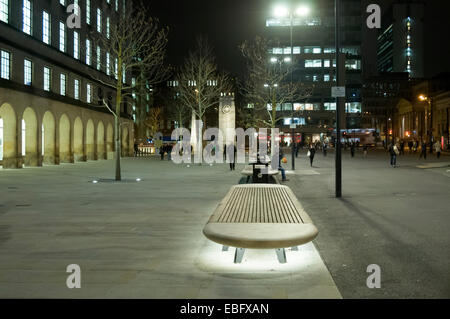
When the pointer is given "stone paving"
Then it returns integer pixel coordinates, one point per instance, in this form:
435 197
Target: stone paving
135 239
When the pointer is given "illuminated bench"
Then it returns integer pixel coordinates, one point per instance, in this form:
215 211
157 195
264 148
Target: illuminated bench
261 216
248 170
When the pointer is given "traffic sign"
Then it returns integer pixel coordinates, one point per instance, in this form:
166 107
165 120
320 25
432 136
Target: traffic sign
338 91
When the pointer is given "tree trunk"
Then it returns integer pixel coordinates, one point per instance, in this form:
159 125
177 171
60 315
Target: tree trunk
118 145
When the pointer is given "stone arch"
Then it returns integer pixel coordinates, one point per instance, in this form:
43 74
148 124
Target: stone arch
124 141
110 141
65 154
101 140
30 130
8 136
48 138
78 150
90 140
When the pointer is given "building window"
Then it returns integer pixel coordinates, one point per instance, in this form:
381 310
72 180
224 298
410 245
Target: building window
76 89
46 33
326 78
5 65
107 63
116 69
27 72
76 6
313 63
4 11
88 52
107 27
27 17
88 11
47 79
62 85
88 93
62 36
99 58
76 45
99 20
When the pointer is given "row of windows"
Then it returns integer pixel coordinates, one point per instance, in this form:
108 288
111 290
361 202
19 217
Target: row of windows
46 31
352 64
350 107
28 70
352 50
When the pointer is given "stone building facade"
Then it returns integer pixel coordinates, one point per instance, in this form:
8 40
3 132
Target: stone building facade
51 87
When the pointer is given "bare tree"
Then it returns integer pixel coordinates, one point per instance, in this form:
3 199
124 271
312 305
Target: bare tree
200 82
176 110
134 43
153 120
267 83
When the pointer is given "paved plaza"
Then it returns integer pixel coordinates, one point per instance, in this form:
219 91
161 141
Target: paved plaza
144 239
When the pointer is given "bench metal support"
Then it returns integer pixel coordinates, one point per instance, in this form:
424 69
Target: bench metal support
224 248
238 255
281 255
295 248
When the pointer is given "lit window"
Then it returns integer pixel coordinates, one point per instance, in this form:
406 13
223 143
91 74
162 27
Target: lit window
99 58
76 89
5 65
27 72
76 45
88 52
26 20
47 79
107 63
88 11
62 85
62 37
296 50
107 27
326 63
326 78
99 20
88 93
287 50
313 63
116 68
329 106
4 10
46 27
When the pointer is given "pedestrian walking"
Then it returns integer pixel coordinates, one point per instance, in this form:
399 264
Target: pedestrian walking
162 149
402 147
231 156
423 152
311 153
169 152
280 168
437 148
352 149
136 149
393 152
325 146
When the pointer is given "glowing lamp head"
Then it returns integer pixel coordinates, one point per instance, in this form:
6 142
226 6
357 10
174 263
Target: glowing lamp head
287 59
280 11
302 11
422 97
273 60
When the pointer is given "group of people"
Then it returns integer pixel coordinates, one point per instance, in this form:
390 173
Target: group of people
166 148
398 148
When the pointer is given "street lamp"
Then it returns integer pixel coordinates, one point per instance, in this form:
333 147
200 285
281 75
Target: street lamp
424 98
282 11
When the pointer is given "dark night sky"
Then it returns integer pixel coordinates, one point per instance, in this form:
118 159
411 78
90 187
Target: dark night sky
227 23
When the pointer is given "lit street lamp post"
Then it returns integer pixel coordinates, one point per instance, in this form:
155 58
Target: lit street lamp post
338 155
283 11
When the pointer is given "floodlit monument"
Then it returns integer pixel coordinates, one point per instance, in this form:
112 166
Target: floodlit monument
227 117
